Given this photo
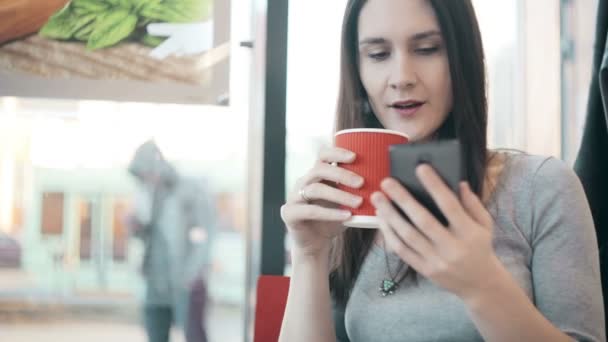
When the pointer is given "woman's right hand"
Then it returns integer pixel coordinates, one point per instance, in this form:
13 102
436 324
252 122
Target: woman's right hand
312 214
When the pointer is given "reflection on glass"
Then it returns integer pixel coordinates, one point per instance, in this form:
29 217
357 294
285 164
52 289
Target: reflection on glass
310 109
119 230
52 214
85 222
66 252
498 23
578 34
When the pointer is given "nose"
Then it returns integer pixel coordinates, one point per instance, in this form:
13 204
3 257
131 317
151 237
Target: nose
404 75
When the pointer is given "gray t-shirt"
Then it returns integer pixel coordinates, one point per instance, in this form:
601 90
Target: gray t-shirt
543 234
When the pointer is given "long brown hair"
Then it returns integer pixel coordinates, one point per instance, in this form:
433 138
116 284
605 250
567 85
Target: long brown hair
467 121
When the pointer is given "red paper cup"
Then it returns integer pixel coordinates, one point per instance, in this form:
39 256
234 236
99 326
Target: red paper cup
372 163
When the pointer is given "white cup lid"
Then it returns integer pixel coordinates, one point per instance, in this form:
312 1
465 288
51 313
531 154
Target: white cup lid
362 221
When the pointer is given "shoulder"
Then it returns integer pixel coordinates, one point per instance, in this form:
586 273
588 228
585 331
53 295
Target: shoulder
533 181
540 173
539 192
545 187
553 176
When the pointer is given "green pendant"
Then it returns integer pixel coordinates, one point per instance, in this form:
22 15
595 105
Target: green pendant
387 287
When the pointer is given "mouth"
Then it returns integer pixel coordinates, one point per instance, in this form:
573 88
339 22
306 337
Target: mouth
407 108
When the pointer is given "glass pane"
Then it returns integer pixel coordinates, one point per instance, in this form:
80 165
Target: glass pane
52 214
498 23
66 197
66 236
310 122
119 230
310 102
578 34
85 222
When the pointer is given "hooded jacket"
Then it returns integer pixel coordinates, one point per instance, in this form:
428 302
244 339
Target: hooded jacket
176 221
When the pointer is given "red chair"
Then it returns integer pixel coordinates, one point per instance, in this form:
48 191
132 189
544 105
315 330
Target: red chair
271 298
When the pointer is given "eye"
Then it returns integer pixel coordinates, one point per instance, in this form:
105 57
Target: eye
378 56
427 50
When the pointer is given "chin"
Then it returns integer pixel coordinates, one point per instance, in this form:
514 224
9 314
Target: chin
419 135
412 130
413 135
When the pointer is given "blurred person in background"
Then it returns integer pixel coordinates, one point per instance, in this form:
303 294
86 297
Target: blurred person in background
175 218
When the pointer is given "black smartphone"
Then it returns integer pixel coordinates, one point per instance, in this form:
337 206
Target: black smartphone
444 156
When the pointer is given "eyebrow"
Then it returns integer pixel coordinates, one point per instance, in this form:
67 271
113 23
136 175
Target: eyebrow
416 37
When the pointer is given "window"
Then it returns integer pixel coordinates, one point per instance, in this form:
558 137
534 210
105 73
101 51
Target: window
66 161
119 230
522 44
578 34
52 213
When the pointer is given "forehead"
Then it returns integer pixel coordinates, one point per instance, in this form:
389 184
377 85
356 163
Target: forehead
395 19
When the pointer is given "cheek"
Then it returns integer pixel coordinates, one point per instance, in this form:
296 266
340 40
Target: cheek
372 80
442 86
447 96
448 88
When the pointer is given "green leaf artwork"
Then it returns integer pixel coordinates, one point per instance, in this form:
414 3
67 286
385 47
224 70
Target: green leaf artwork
104 23
111 28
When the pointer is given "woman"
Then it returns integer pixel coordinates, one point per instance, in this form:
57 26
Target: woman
518 260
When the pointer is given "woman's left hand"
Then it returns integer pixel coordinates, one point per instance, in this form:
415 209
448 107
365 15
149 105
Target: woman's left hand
461 258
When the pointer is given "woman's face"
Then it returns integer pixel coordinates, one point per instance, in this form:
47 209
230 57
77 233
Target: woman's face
404 66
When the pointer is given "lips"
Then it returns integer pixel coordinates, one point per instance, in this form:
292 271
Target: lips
406 104
406 108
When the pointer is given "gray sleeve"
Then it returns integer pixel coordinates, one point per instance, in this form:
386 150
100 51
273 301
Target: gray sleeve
565 261
198 199
201 216
205 216
142 204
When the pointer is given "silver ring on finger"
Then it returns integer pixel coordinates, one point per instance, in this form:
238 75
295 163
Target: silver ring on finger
302 194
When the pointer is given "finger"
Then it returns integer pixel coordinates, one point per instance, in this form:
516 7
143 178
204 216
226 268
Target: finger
325 172
474 206
291 213
395 244
320 191
336 155
444 197
419 215
406 232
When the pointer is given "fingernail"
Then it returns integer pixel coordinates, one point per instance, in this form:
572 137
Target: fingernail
357 202
345 213
421 169
376 198
387 183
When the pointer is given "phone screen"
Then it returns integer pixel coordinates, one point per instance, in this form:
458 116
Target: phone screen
444 156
